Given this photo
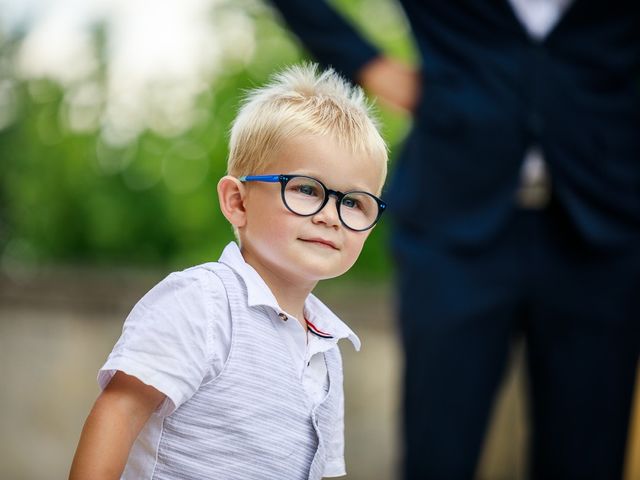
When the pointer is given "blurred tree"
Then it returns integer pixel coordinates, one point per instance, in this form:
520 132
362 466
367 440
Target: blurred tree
97 170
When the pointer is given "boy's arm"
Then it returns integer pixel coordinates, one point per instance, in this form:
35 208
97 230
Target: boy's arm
113 424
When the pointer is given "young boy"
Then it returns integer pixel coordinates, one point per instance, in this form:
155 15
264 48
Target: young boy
230 369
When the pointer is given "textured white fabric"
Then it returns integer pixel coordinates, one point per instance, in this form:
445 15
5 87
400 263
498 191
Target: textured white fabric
178 337
539 16
253 421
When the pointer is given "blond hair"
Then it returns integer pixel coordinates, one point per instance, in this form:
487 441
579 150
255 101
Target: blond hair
302 100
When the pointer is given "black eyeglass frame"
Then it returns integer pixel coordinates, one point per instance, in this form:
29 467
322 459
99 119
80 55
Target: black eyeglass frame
284 179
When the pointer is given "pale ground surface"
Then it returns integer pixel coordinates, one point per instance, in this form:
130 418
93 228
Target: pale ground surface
57 329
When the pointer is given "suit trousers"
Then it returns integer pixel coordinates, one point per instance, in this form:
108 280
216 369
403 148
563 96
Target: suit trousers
461 306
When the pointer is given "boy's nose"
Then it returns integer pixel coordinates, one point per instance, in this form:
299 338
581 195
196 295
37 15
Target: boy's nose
328 215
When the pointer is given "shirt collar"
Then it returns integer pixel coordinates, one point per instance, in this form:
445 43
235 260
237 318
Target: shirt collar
325 321
259 293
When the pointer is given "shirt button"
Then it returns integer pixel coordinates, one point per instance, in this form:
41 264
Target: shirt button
283 316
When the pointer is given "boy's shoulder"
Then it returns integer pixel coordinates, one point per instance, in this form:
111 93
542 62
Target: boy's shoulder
197 280
203 273
200 270
208 272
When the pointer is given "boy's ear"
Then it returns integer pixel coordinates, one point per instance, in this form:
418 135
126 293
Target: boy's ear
231 194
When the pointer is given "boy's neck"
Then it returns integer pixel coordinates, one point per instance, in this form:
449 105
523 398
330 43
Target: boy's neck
291 299
290 294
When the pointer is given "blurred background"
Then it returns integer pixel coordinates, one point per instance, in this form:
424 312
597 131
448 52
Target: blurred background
113 133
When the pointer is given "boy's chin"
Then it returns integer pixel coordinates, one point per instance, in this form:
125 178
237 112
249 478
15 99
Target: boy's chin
320 274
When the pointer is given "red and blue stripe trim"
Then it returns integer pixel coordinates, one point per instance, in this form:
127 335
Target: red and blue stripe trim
316 331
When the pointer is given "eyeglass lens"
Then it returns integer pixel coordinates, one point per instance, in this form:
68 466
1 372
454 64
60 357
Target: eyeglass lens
305 196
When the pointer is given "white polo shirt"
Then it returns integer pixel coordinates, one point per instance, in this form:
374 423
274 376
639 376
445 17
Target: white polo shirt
178 336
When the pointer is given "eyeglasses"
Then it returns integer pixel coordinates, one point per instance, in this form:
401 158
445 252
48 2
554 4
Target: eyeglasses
306 196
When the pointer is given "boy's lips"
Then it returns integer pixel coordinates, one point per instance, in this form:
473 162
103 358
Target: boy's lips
320 241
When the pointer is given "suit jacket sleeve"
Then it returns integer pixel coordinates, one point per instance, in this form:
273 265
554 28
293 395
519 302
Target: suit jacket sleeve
327 35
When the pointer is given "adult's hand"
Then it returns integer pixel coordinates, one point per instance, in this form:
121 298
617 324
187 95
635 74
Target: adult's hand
393 83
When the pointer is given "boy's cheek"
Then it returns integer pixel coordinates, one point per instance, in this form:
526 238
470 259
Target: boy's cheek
359 244
363 236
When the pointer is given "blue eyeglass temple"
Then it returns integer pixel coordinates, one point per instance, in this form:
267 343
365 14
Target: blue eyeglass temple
260 178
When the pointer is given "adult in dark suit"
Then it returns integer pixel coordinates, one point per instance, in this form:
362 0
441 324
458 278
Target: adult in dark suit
516 203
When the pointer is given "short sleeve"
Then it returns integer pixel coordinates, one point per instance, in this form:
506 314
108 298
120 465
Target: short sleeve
166 339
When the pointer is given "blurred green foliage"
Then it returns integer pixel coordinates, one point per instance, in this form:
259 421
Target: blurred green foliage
68 197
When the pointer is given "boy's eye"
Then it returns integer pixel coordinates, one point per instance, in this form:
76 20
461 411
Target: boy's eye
350 202
307 189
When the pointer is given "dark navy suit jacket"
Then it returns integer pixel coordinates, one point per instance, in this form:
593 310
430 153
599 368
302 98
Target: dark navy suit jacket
489 92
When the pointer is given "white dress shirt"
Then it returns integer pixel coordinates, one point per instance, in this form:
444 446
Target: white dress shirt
178 336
